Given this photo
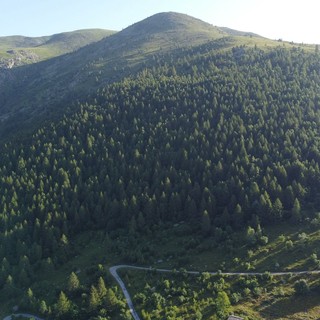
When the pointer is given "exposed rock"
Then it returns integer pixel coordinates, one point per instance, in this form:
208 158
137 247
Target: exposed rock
18 58
15 308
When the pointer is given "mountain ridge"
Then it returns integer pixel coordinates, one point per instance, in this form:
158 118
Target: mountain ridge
174 22
14 48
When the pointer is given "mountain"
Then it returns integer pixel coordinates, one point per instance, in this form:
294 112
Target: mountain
170 144
32 93
18 50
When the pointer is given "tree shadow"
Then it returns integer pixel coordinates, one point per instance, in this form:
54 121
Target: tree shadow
291 305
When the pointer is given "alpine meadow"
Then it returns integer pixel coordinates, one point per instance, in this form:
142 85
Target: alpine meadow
170 170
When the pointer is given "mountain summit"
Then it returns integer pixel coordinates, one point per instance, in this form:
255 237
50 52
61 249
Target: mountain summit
160 32
171 28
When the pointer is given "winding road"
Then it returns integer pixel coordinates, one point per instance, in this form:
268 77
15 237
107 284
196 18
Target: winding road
114 272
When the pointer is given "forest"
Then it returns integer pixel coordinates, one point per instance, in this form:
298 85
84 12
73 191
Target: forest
222 140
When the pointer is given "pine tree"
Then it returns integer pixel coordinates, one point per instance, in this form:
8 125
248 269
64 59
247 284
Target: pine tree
296 210
102 290
111 300
63 305
277 208
73 282
94 298
43 309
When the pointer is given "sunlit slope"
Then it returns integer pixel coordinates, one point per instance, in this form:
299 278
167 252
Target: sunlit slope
19 50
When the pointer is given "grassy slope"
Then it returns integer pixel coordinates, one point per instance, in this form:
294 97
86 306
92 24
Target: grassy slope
51 46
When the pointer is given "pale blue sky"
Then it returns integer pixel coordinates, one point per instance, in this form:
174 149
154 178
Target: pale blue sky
291 20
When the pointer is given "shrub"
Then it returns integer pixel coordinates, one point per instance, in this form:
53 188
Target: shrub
301 287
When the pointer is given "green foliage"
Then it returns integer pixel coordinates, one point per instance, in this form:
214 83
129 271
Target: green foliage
223 305
73 282
94 299
43 309
296 210
102 290
63 305
301 287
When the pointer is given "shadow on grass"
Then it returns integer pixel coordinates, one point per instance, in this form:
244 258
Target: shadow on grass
288 306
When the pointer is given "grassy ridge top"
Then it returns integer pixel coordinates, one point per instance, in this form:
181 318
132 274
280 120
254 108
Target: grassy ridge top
50 46
171 28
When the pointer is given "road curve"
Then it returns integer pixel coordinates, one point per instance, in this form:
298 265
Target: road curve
114 272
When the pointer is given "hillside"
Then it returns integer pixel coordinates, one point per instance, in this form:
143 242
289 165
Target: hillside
233 32
18 50
33 93
209 140
157 149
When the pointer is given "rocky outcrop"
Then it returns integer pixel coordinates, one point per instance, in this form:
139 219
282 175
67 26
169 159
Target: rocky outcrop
18 58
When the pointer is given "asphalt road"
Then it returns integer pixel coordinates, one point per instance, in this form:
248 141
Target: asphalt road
114 272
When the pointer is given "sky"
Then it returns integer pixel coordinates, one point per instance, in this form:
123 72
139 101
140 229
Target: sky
290 20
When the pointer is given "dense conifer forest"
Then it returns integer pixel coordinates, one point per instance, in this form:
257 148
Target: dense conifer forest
220 139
